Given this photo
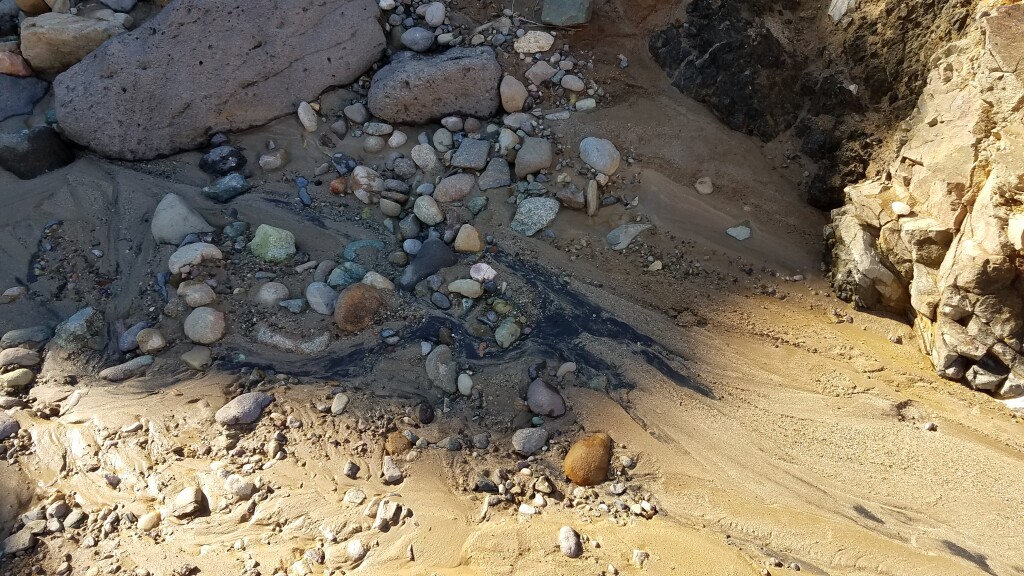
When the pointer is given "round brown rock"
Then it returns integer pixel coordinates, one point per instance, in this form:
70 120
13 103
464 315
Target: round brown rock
356 307
586 464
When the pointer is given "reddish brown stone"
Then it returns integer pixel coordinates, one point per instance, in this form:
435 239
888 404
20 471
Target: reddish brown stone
356 307
586 464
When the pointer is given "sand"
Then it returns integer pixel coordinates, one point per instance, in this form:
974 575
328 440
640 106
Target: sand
767 419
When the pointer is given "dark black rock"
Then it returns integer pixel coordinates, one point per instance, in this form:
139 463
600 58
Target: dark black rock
33 152
485 484
424 413
219 139
19 95
440 300
433 256
222 160
226 187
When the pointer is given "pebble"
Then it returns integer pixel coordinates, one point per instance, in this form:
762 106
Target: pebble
540 73
397 140
526 441
19 357
357 113
901 208
151 340
496 175
198 358
426 158
374 144
507 333
173 220
8 426
418 39
442 140
13 294
440 301
533 214
587 461
457 186
356 307
569 542
427 210
272 244
621 237
196 294
273 160
600 154
536 154
271 294
544 399
740 232
307 116
471 154
442 370
187 503
573 83
453 123
584 104
222 160
244 409
513 94
466 287
338 403
534 41
465 384
390 471
149 521
192 255
468 240
130 369
704 185
434 14
378 281
205 325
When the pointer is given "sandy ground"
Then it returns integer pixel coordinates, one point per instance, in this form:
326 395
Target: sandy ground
766 418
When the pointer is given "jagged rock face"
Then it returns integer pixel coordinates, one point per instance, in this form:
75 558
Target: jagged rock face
766 68
945 221
138 96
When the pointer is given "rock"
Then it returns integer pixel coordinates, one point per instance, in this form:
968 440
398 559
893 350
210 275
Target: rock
222 160
272 244
338 403
20 96
426 158
529 440
441 369
513 94
507 333
8 426
149 521
151 340
566 13
13 64
434 14
432 257
321 297
497 175
173 219
271 294
440 301
187 503
535 155
544 399
418 39
307 117
426 209
74 333
16 379
454 188
243 83
600 154
356 307
18 543
205 325
228 187
417 88
34 152
568 539
704 186
196 293
533 214
32 7
13 294
198 358
54 42
244 409
466 287
619 238
740 232
390 471
291 344
120 5
192 255
540 72
472 154
468 240
19 357
135 367
572 83
571 197
377 281
534 41
40 334
586 464
465 384
273 160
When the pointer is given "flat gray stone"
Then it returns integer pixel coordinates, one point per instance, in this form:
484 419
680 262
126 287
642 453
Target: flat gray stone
529 440
496 175
20 95
533 214
19 336
619 238
173 219
244 409
472 154
130 369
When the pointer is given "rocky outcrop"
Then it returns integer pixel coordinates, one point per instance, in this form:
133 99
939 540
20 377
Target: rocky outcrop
417 88
172 82
939 234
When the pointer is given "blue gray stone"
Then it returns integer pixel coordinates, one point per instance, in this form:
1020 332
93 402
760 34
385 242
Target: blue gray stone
20 95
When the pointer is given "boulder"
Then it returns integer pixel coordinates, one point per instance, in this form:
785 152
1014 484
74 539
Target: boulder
20 95
587 462
256 64
417 88
34 152
173 219
54 42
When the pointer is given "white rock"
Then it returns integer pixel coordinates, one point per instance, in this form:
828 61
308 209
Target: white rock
482 272
378 281
397 139
465 384
307 116
900 208
355 550
191 255
600 154
526 509
434 14
704 186
392 474
1015 230
534 41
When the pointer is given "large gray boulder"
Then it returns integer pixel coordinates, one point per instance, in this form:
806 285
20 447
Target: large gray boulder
418 88
172 82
